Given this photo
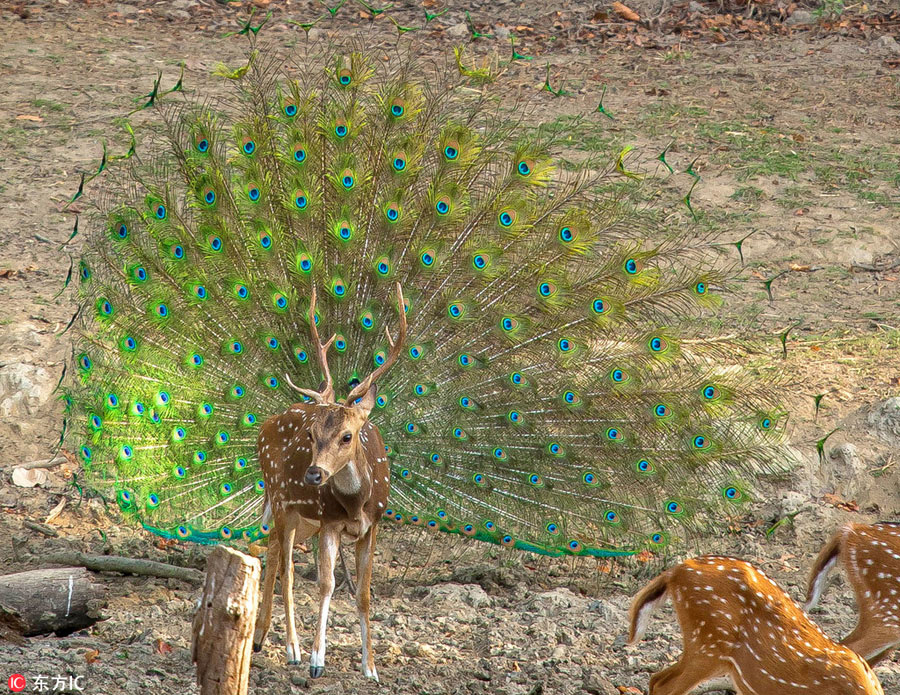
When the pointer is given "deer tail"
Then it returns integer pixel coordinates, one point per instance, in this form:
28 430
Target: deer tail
644 603
823 564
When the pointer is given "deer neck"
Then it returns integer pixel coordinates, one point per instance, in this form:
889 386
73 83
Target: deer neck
354 479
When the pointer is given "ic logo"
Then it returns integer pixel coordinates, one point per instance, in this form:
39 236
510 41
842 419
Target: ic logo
17 682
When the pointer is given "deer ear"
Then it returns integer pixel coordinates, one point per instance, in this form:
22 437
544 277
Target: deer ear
366 402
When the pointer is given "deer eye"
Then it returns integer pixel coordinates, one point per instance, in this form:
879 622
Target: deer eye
346 438
309 434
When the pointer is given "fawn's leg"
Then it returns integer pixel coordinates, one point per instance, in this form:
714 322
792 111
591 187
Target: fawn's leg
684 676
329 542
264 619
365 551
872 641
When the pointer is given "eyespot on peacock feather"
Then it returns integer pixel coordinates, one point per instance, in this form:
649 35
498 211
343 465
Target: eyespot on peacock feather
552 394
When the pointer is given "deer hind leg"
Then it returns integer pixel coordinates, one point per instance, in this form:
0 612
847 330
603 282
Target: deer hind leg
365 551
329 542
264 619
687 674
871 641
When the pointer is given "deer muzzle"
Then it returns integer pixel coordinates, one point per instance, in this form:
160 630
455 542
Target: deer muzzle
315 476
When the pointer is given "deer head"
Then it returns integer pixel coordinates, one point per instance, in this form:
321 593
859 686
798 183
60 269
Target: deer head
336 428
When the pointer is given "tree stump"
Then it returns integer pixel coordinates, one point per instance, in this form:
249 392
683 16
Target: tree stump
51 600
223 626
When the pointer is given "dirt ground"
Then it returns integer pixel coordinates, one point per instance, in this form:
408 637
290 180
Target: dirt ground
796 133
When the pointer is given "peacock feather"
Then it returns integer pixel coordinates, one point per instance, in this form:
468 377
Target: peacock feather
547 398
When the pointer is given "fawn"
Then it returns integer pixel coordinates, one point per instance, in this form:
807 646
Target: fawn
737 622
870 556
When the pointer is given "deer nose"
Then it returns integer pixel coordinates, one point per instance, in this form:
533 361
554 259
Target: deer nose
313 475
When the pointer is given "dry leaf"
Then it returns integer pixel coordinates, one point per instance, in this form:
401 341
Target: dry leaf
56 511
91 655
256 549
625 12
163 647
23 477
796 267
28 117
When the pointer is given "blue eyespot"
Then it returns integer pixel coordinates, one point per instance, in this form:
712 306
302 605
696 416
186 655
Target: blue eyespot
383 268
178 251
122 231
347 181
516 378
253 194
162 310
700 288
442 207
631 266
644 466
545 289
344 232
290 110
731 493
570 397
505 219
710 392
611 517
564 345
465 360
300 201
129 343
514 416
392 214
451 152
566 234
700 442
210 197
618 375
599 306
399 164
454 310
589 478
524 169
249 147
299 155
397 110
427 259
215 243
479 261
272 343
160 212
203 145
340 130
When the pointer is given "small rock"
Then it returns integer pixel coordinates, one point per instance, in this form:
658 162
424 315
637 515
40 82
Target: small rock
888 43
297 679
885 418
126 10
596 683
178 15
844 471
694 6
458 30
800 17
557 602
23 387
793 502
468 594
501 33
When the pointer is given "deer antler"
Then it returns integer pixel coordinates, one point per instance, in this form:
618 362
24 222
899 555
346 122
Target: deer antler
326 395
396 346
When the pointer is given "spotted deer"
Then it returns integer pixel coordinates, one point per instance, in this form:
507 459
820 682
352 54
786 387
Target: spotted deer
325 473
737 622
870 556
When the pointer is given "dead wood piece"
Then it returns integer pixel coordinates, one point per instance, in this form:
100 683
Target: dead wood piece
126 565
49 600
40 528
224 624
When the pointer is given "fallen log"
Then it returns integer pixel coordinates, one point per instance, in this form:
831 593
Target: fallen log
223 626
125 565
49 600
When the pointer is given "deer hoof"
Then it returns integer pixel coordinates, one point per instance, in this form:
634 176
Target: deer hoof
257 647
316 671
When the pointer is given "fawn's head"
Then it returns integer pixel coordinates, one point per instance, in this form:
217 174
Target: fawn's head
336 428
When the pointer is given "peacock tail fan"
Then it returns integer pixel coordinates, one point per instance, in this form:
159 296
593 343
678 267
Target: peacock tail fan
551 396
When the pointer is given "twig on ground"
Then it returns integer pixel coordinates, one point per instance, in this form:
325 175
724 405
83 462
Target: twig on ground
126 565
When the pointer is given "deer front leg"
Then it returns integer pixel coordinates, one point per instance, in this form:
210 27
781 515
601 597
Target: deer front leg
365 550
329 542
265 612
292 645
